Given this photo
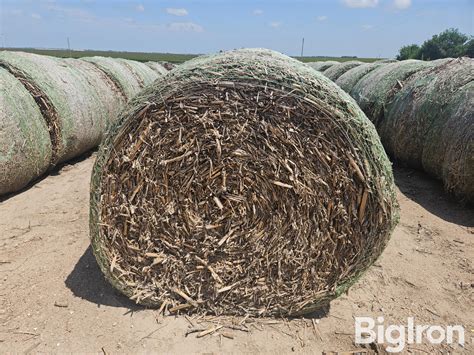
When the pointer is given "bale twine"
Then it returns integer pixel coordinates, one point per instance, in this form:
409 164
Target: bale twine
430 124
66 95
25 147
350 78
240 183
337 70
376 89
142 72
158 68
121 74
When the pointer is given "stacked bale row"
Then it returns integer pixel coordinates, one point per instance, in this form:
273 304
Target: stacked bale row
240 183
52 109
424 114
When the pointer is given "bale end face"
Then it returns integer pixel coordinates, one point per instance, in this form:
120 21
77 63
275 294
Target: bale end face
234 194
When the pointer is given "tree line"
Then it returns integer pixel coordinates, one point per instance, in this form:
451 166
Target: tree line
448 44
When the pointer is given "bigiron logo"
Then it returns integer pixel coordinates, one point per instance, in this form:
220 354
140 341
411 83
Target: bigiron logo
396 337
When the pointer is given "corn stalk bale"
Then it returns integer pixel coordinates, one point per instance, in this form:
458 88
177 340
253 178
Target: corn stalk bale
71 112
25 147
240 183
158 68
105 94
120 73
375 90
143 73
337 70
430 124
351 77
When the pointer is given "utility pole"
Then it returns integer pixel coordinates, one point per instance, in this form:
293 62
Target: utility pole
302 47
69 47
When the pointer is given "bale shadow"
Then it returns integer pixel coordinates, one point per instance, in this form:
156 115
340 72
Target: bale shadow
87 282
429 193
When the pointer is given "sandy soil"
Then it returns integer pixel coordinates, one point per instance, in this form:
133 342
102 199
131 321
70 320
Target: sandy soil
53 298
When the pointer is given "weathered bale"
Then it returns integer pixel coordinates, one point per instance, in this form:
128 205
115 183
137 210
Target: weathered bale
240 183
25 146
121 74
143 73
337 70
158 68
322 66
69 111
430 124
350 78
375 90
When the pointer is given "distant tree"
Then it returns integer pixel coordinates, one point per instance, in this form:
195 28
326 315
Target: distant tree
409 52
449 43
469 48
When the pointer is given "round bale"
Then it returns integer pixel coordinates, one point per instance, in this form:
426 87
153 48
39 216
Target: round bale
429 124
337 70
25 146
142 72
106 95
351 77
158 68
322 66
123 76
375 90
72 116
240 183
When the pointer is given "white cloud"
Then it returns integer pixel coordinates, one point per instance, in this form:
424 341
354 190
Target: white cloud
321 18
361 3
367 27
257 12
274 24
140 8
36 16
185 27
176 12
402 4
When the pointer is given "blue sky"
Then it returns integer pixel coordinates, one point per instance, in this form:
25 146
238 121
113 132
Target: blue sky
365 28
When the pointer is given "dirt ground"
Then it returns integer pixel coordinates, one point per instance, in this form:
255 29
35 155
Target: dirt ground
53 298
